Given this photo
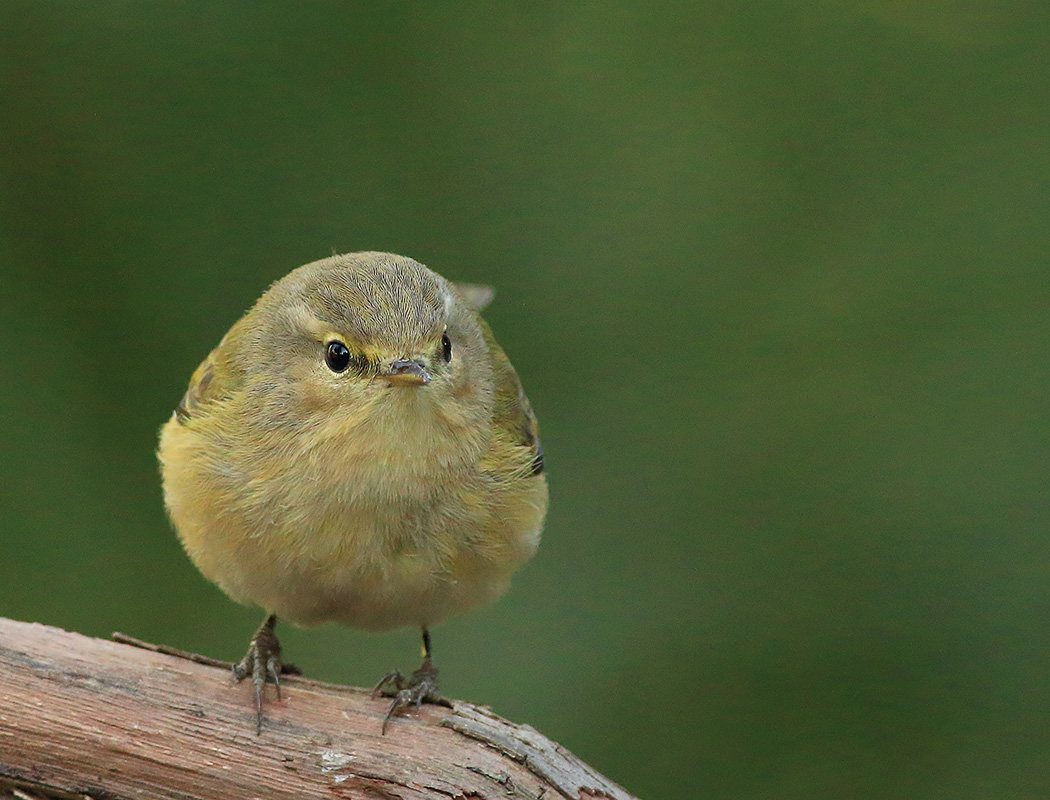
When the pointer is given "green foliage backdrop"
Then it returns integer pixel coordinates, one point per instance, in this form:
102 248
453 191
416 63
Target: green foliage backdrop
774 275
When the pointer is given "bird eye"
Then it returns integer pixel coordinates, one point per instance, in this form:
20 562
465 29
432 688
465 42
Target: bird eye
337 357
446 347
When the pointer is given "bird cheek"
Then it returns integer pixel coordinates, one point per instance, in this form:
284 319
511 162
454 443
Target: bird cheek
465 390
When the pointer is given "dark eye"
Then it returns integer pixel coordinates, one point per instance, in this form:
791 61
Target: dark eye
446 347
337 357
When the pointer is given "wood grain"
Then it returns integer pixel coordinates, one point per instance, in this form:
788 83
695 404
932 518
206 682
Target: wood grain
87 717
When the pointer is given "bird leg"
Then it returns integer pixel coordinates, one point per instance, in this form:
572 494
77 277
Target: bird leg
420 687
262 661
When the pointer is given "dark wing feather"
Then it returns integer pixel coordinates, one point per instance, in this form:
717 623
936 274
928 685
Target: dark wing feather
203 388
513 415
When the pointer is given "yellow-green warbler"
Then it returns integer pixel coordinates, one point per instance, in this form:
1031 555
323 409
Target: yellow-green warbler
357 449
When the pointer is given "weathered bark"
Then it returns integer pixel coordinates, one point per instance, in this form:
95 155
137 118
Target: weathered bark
87 717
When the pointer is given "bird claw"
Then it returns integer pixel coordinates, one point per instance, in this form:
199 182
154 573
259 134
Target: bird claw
420 687
262 662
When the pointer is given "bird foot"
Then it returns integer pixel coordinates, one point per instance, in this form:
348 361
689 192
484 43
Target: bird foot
263 662
420 687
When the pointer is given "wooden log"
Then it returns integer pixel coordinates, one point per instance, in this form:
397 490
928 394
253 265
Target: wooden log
83 717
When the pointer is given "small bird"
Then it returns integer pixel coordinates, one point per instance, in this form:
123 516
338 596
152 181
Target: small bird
357 449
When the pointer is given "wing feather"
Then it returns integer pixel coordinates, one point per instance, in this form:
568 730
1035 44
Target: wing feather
513 419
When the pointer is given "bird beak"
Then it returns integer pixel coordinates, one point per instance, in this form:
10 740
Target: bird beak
405 372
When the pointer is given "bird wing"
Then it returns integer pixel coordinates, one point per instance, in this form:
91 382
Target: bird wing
202 388
476 295
513 419
215 378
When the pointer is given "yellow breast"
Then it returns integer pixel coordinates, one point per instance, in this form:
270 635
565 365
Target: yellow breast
389 518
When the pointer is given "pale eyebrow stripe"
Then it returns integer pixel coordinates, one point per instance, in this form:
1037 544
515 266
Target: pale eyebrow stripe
300 316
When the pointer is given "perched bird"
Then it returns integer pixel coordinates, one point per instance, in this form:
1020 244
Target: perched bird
357 449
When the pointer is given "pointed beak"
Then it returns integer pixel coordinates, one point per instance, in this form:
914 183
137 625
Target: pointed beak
405 372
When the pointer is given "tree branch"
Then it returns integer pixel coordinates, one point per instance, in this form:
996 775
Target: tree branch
83 717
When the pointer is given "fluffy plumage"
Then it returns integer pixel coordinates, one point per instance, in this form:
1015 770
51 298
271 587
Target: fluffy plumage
346 496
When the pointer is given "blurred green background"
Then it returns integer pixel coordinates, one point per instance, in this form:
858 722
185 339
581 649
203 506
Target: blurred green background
774 275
